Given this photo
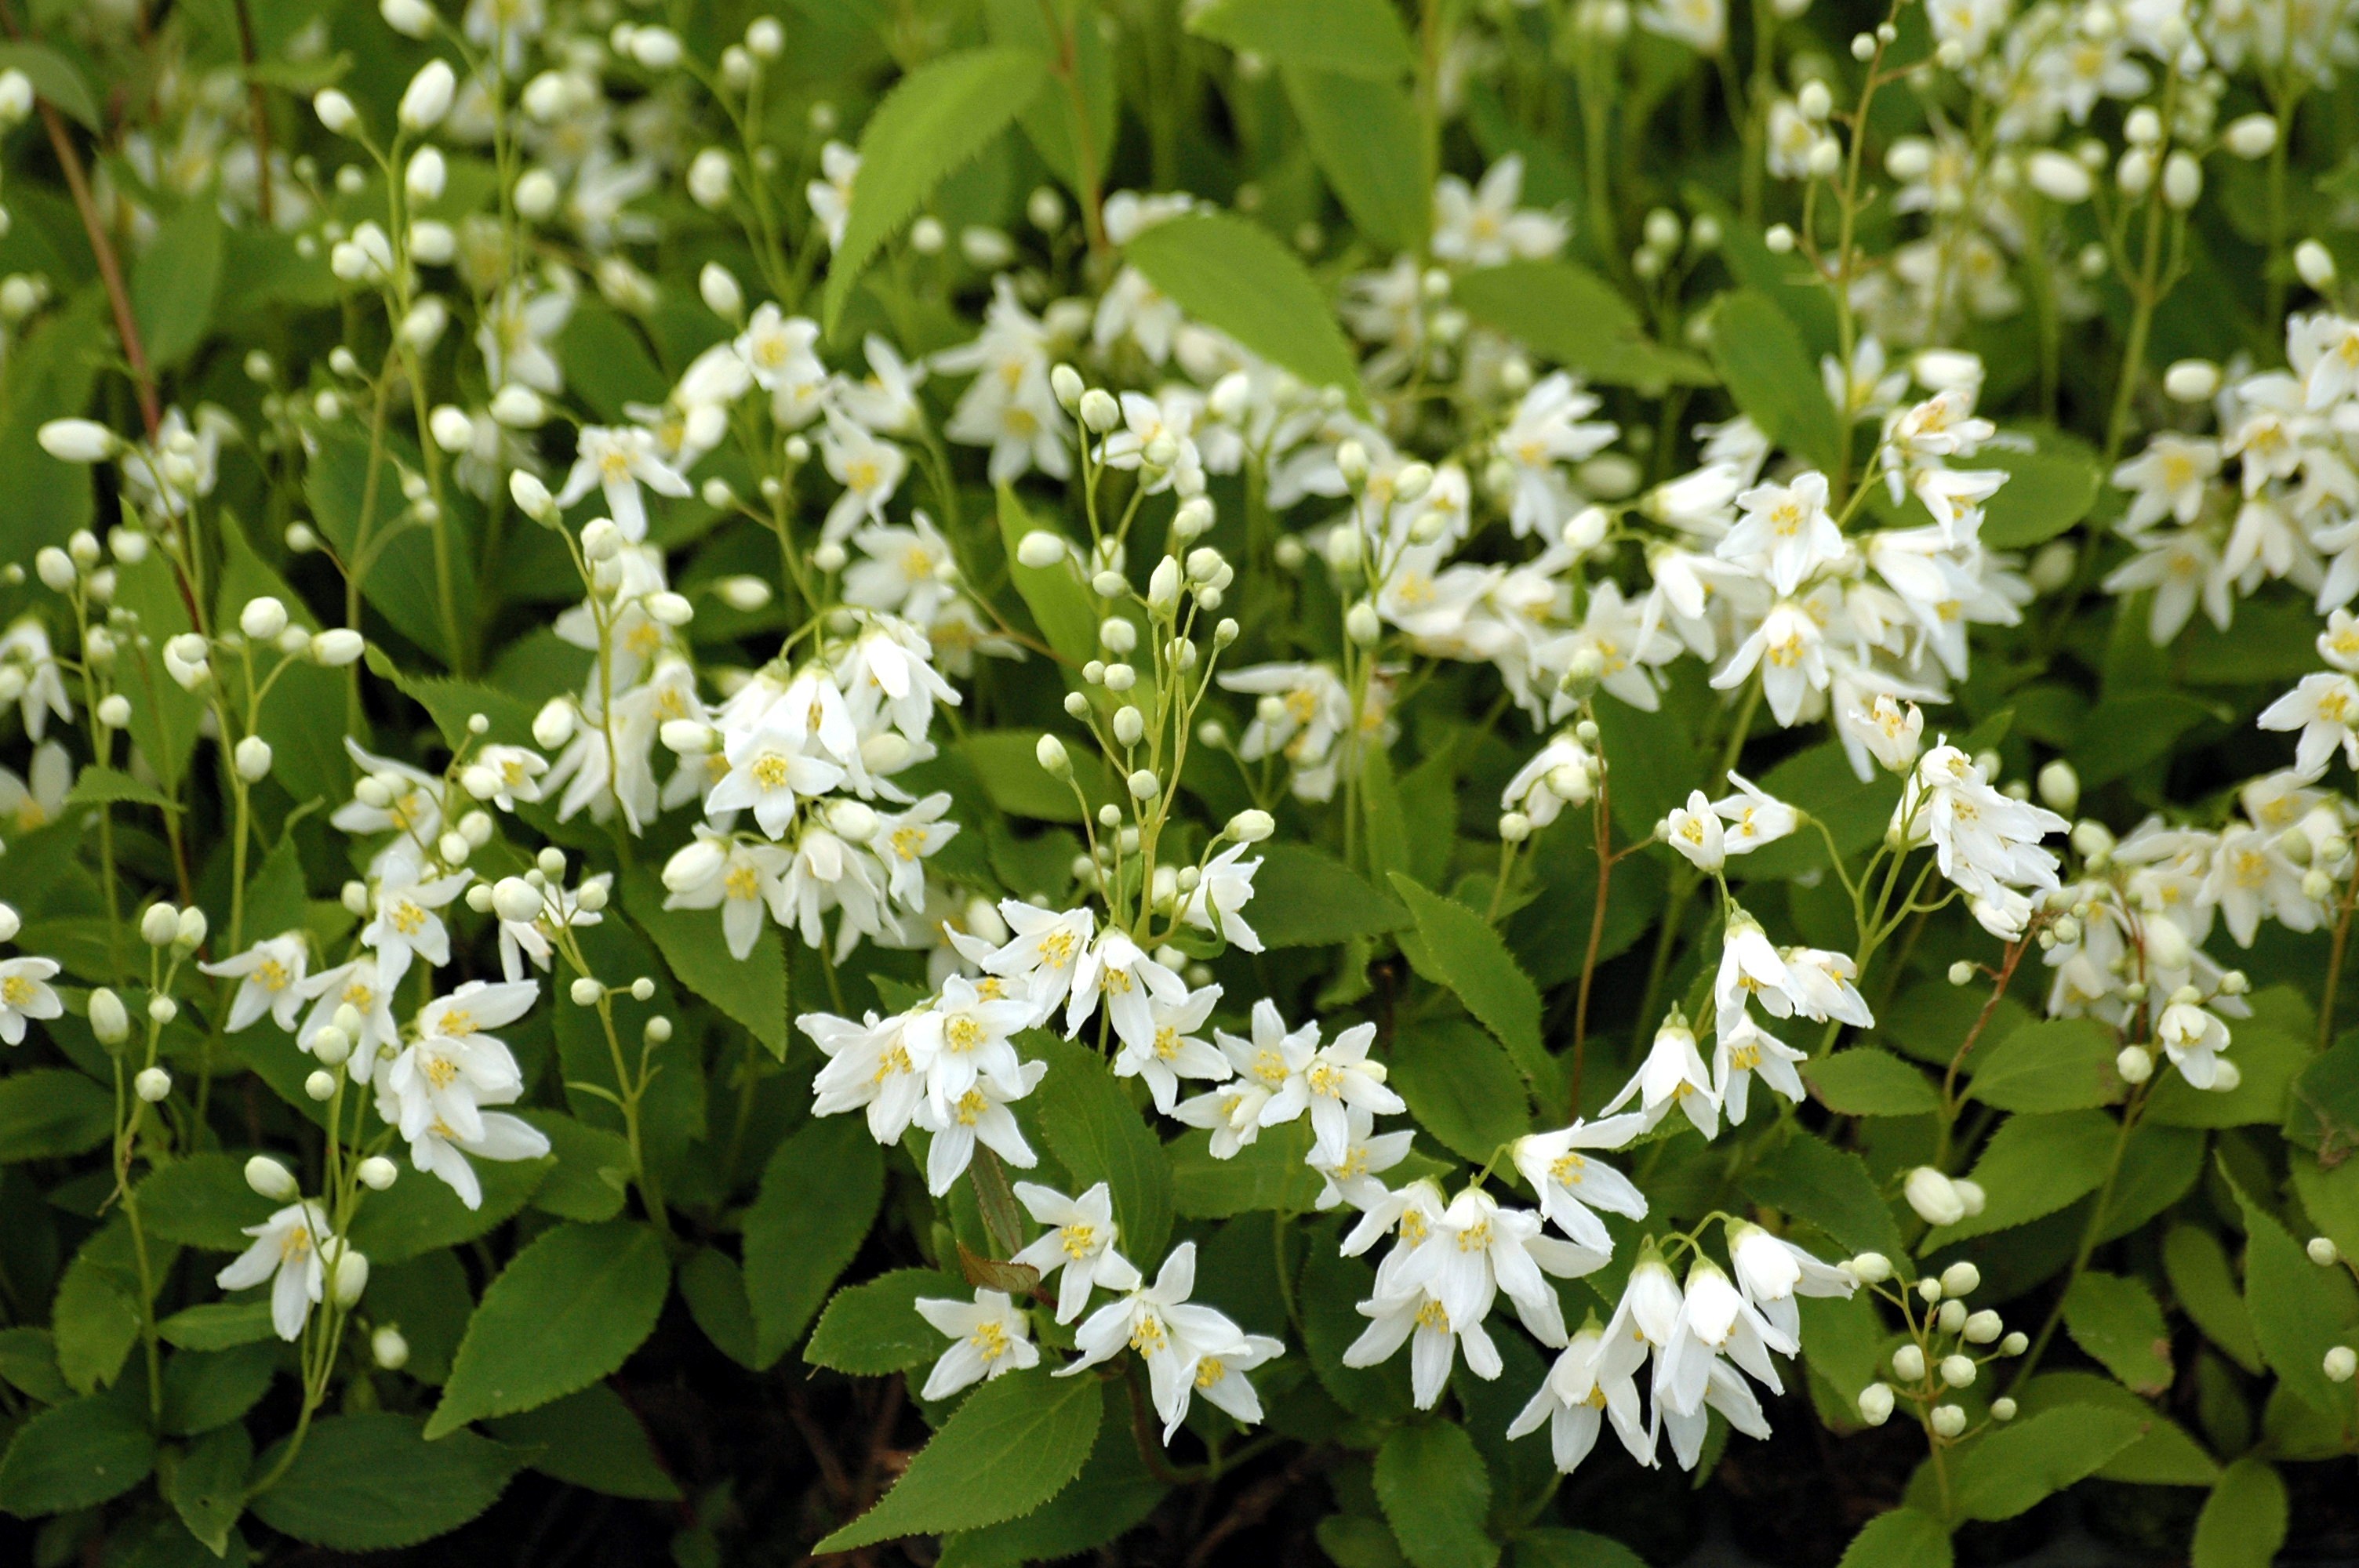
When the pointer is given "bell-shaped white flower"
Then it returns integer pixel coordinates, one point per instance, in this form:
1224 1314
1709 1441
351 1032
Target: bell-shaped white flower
1079 1245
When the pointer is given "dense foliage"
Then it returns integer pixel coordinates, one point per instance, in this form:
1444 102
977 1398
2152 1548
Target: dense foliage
979 780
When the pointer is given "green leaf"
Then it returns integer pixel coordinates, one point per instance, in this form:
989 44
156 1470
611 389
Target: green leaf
869 1330
715 1292
55 79
1073 140
1459 1086
1099 1136
567 1311
1060 603
2048 487
1574 1549
592 1440
2298 1310
2034 1165
1828 1187
2056 1063
1456 947
2244 1520
217 1326
1364 133
2117 1320
2196 1266
419 1214
1111 1496
1569 314
1769 373
606 360
818 1194
207 1388
593 1169
2164 1456
934 120
752 990
1015 1442
173 282
2270 1060
2322 1115
1904 1537
1008 763
1355 1541
75 1455
1359 38
1267 1174
1304 897
29 1361
207 1487
2015 1466
95 1317
98 784
372 1482
1233 274
1863 1081
48 1112
1332 1286
1435 1494
202 1201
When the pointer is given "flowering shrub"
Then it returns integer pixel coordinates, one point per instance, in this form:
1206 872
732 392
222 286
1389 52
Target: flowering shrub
1228 769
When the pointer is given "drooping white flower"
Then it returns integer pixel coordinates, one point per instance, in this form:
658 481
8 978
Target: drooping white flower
1672 1075
1571 1183
1578 1393
1174 1052
1772 1272
989 1336
2324 706
869 1068
1785 531
617 460
1745 1050
286 1251
981 1115
1367 1154
1079 1245
1263 1063
1222 891
1187 1346
406 924
270 980
1327 1080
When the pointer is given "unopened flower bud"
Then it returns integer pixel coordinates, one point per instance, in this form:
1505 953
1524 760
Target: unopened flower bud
2315 263
108 1020
1958 1371
270 1179
2340 1363
2323 1252
1908 1363
1948 1421
389 1349
253 758
152 1084
1934 1197
585 991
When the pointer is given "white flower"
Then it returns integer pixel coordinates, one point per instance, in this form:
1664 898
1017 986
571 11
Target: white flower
730 873
286 1245
270 980
1986 842
979 1115
1772 1272
406 926
502 1138
2194 1037
1080 1244
1702 25
361 986
1115 969
1789 647
1672 1074
990 1337
1714 1320
1367 1155
1234 1111
1571 1397
617 460
1326 1080
1743 1050
39 797
25 992
869 469
1754 818
1480 1249
1786 532
1694 831
1483 226
2170 478
1173 1052
771 773
1570 1184
1187 1346
778 350
1222 890
964 1036
1749 968
1419 1321
2323 707
831 195
869 1067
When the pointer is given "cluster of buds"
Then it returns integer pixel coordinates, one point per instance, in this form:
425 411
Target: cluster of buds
1947 1347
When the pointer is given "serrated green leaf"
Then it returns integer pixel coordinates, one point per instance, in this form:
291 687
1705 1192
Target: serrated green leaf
1569 314
1435 1494
933 120
1233 276
207 1486
50 1112
2117 1321
2164 1456
2011 1468
420 1214
1364 133
1111 1496
1304 897
1015 1442
2322 1114
2244 1520
2033 1166
1904 1537
207 1388
372 1482
174 279
1572 1549
2196 1266
202 1201
1769 373
1828 1187
1363 37
714 1289
751 989
1459 1086
1267 1174
567 1311
818 1194
1863 1081
98 784
1099 1136
29 1361
2050 487
1457 947
2299 1311
75 1455
2269 1059
871 1329
592 1440
2056 1063
217 1326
